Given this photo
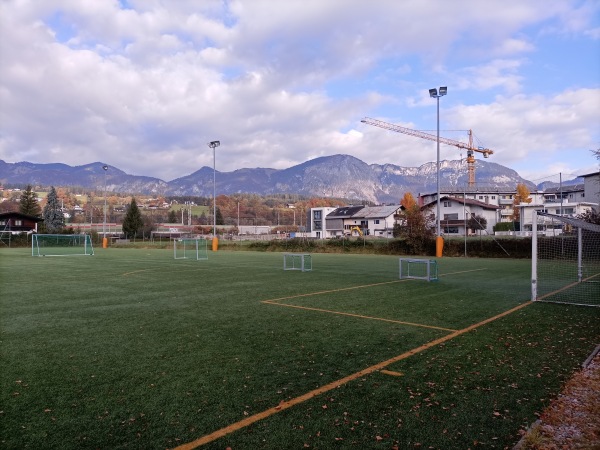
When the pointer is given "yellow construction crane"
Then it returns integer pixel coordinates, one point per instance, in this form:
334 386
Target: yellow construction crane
432 137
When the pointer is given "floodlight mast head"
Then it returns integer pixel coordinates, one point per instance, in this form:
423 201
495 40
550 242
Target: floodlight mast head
433 93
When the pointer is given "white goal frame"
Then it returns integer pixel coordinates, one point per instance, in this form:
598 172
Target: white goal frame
297 261
190 248
61 245
565 264
418 269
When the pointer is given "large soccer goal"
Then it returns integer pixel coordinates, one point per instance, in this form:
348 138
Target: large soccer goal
190 248
565 260
297 261
420 269
61 245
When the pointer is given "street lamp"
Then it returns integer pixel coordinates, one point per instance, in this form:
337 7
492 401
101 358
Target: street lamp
213 145
439 243
104 240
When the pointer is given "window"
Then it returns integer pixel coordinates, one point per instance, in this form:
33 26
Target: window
451 230
447 204
18 223
317 215
451 216
481 197
376 221
493 197
318 224
568 210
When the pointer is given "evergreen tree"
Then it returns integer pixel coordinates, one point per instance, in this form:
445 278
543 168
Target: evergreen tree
219 218
172 218
54 220
133 222
28 203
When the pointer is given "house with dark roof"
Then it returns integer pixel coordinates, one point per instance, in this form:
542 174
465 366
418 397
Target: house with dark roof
16 222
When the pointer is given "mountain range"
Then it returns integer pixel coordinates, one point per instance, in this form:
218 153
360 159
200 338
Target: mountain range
340 176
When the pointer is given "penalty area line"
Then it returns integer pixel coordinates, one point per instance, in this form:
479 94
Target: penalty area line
360 316
283 405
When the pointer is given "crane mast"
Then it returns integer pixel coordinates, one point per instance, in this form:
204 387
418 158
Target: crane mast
432 137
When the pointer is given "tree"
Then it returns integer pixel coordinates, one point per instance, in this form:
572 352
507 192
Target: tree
219 217
477 223
415 227
133 222
54 220
172 217
590 216
29 204
522 196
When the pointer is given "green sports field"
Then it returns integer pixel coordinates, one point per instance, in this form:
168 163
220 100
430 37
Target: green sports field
131 348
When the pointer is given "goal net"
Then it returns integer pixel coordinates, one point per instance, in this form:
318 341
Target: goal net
297 261
420 269
565 260
190 249
61 245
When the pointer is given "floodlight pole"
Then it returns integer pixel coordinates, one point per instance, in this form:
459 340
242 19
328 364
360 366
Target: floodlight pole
104 244
439 240
213 145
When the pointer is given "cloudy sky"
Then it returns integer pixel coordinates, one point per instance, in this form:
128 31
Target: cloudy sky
144 85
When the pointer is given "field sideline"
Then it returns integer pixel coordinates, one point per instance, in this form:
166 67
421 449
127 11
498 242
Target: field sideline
133 349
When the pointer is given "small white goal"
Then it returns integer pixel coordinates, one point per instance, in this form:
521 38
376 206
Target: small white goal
190 248
419 269
297 261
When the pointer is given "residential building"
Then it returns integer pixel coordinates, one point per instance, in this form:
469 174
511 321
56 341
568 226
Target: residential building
16 222
455 213
317 227
591 187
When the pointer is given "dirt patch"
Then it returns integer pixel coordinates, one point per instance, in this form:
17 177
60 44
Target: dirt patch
572 420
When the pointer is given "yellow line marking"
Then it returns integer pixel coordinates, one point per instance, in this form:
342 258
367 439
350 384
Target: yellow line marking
308 308
137 271
392 373
329 291
335 384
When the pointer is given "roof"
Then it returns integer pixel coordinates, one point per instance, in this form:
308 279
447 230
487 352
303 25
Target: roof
564 188
16 214
590 174
344 212
468 202
374 212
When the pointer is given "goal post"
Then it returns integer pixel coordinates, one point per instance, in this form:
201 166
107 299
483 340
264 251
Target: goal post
565 260
61 245
190 248
297 261
419 269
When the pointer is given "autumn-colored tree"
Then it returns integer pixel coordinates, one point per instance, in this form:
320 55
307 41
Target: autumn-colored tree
522 196
415 227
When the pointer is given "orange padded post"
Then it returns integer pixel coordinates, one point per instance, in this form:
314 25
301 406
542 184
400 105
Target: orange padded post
439 246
